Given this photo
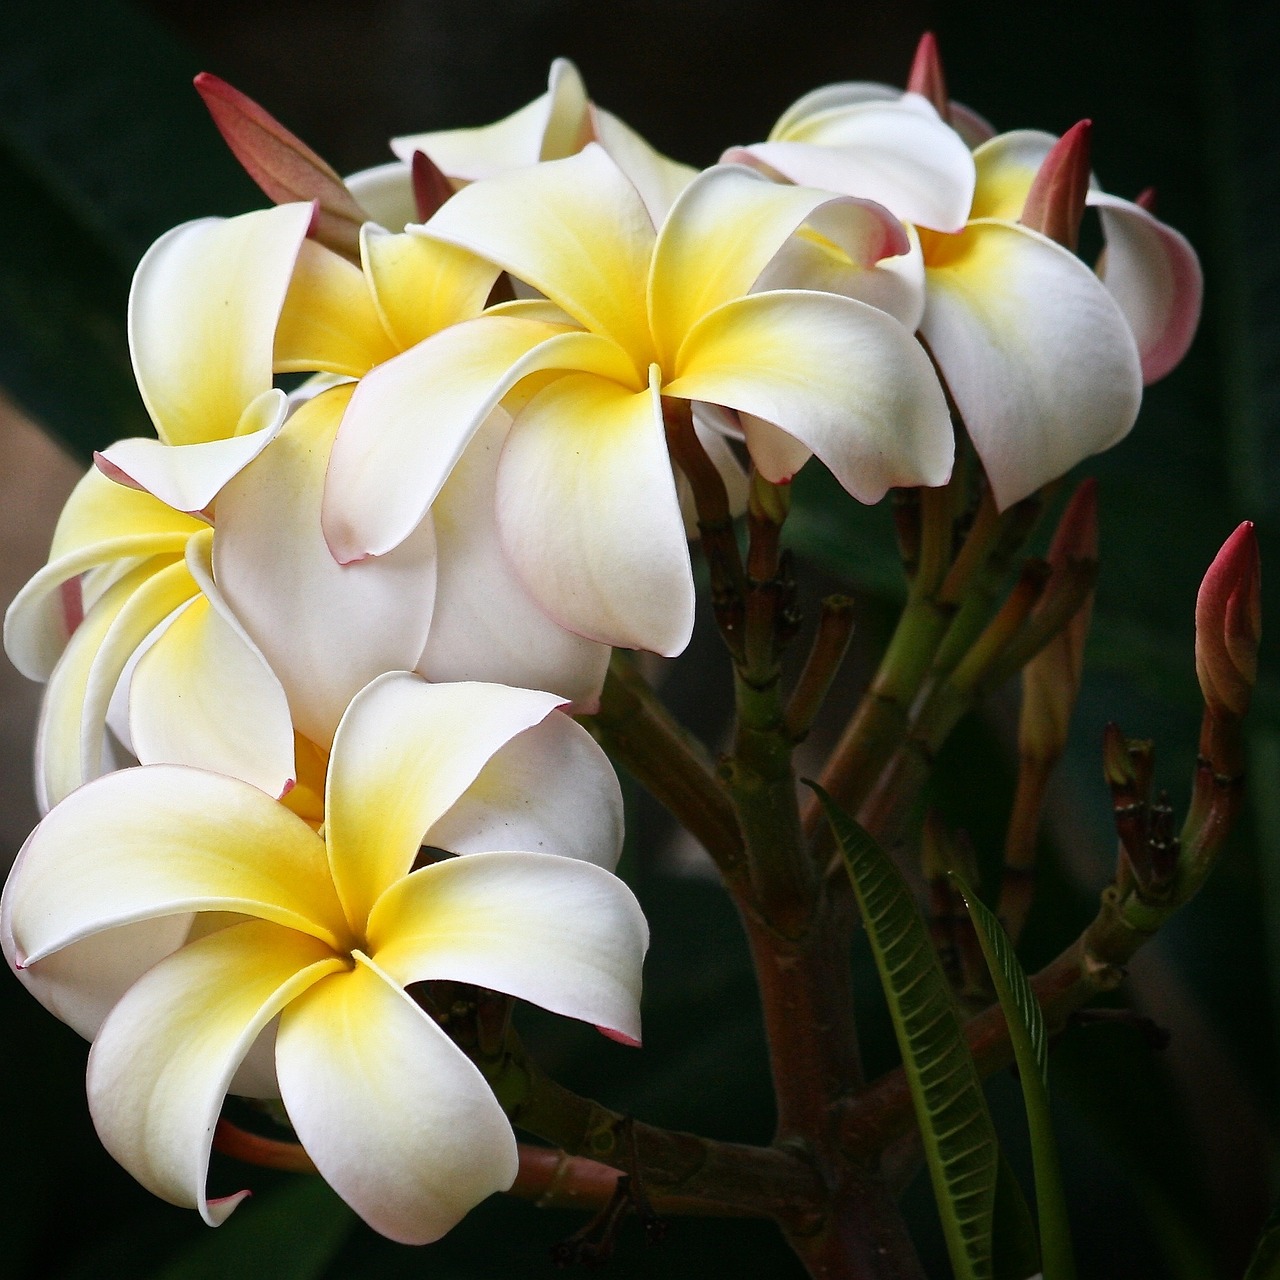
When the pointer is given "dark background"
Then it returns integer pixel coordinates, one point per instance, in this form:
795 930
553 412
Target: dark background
103 145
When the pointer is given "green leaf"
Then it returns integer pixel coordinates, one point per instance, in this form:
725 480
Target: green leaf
1031 1052
1015 1248
290 1233
959 1139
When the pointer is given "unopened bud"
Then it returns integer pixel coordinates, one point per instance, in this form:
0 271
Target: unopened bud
1055 203
430 186
927 78
1229 625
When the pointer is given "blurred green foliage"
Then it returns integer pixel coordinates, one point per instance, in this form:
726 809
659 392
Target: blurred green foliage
1166 1157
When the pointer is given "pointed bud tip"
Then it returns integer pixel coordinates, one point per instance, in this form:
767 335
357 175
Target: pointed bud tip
927 77
1229 623
1056 202
431 187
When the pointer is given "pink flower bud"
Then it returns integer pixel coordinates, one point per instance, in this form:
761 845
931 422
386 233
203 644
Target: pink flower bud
926 76
1229 624
1055 203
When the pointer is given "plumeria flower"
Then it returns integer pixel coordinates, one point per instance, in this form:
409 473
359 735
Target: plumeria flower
345 321
554 125
300 946
587 505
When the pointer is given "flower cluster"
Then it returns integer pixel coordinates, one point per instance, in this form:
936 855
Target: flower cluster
299 638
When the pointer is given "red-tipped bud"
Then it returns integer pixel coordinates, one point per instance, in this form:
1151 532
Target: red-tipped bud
1229 624
1146 199
1055 203
926 76
283 165
430 186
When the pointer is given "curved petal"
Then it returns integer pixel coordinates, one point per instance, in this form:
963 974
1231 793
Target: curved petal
411 418
1153 273
486 625
829 97
69 736
814 262
325 629
165 840
574 229
160 1067
188 477
385 193
329 321
588 514
549 790
658 179
196 691
722 233
102 522
398 1121
1007 166
403 755
894 153
843 378
1038 357
421 286
563 934
202 318
83 982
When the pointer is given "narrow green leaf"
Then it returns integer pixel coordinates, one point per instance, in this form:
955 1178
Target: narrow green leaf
959 1139
1015 1246
1031 1052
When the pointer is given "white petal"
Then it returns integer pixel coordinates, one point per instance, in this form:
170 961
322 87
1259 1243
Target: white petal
588 514
560 933
398 1121
160 1067
1036 353
385 193
659 180
188 477
202 318
486 625
403 755
325 629
549 790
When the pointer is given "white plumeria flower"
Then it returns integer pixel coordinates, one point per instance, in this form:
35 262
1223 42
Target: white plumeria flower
587 504
332 928
554 125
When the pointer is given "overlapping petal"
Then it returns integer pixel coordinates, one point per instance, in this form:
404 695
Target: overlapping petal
325 629
403 755
559 932
161 1064
1037 355
841 377
395 1117
202 314
486 624
161 841
588 514
549 790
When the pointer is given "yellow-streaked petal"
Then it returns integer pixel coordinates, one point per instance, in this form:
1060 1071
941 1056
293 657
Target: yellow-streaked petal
329 321
202 318
722 233
574 229
486 625
160 1067
403 755
325 629
164 840
410 419
398 1121
1006 167
1036 353
549 790
421 286
563 934
843 378
63 758
589 517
